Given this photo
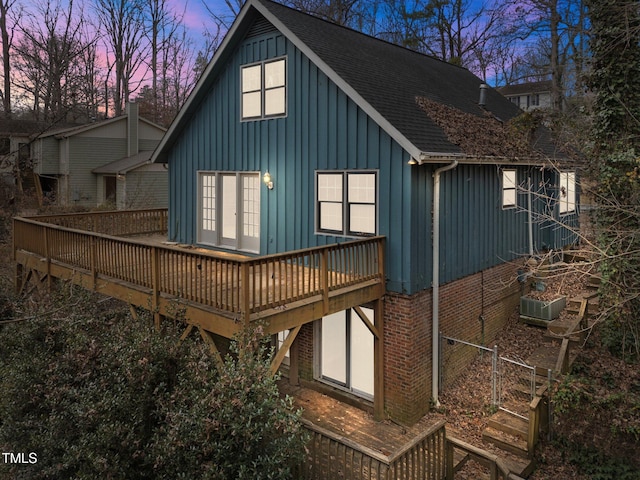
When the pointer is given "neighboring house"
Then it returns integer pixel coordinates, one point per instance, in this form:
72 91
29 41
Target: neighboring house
15 156
303 133
106 163
530 95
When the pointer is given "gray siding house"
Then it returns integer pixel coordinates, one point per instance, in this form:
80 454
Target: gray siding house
302 133
105 163
529 95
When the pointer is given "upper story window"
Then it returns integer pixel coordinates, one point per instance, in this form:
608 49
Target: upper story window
346 203
264 89
567 192
509 194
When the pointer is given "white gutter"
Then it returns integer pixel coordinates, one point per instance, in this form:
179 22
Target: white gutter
435 333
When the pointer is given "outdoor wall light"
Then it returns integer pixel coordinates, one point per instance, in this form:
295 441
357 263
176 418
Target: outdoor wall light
266 178
412 161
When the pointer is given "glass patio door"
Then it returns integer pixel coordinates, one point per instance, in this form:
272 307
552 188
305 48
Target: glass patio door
230 210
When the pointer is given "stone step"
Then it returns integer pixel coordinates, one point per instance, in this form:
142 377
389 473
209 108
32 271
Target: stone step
504 441
510 424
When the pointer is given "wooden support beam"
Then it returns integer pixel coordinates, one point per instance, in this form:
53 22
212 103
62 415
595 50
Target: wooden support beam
186 332
213 349
282 352
372 328
294 363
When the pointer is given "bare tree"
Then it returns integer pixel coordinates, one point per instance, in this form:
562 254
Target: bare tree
560 26
51 47
7 25
458 31
123 22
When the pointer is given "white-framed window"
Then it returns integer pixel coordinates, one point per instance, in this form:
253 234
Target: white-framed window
264 89
346 202
229 210
345 356
509 189
567 192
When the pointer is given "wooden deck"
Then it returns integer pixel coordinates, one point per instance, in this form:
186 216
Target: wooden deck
218 292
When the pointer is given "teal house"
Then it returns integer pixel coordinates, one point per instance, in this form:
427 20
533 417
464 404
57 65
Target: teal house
302 133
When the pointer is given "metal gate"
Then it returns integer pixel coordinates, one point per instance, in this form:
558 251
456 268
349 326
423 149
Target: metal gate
455 354
516 386
513 382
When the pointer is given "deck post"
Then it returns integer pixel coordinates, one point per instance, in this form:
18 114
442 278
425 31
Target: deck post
155 279
378 361
48 257
246 299
324 281
294 368
94 256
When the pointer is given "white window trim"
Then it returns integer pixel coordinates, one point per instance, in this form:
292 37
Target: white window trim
263 90
345 231
508 188
567 197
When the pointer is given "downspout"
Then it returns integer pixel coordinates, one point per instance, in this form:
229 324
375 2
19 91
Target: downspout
530 208
435 333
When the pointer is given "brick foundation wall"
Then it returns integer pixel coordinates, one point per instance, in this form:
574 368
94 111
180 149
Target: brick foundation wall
407 357
492 294
475 309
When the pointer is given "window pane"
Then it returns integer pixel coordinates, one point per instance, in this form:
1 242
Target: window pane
334 347
509 198
508 179
274 101
331 216
251 80
274 74
329 187
362 218
208 202
229 208
362 188
251 206
361 353
251 106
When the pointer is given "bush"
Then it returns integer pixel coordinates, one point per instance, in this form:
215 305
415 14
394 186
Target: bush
95 394
237 427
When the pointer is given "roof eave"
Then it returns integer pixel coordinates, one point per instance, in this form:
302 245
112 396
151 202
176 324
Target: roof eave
438 158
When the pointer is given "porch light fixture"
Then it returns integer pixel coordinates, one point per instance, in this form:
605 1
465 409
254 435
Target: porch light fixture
266 178
412 161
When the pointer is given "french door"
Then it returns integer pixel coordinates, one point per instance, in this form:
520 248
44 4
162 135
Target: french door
230 210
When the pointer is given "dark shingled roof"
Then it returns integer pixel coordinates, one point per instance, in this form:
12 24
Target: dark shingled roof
390 77
384 79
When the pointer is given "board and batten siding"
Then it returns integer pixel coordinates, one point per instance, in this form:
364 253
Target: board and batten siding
477 233
323 130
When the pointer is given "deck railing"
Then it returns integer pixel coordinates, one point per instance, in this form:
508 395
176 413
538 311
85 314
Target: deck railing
334 456
239 286
120 222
